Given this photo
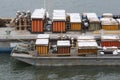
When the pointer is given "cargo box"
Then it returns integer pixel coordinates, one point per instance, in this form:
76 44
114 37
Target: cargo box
85 37
37 25
87 47
108 41
43 36
59 26
38 20
42 46
94 22
109 24
107 15
63 47
59 21
75 22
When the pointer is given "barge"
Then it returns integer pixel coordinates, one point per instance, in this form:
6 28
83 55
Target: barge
66 39
67 52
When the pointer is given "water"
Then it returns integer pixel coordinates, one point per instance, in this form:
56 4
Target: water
8 8
11 69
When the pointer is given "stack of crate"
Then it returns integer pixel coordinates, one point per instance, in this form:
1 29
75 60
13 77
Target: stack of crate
110 41
42 44
59 21
87 45
75 22
38 20
63 47
22 20
108 22
94 22
43 36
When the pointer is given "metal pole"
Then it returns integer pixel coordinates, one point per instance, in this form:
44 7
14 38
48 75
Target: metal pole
44 4
48 6
61 31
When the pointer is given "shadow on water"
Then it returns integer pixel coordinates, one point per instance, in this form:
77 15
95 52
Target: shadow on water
17 70
66 72
18 64
77 73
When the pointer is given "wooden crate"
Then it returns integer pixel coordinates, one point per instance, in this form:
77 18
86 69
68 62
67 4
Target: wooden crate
63 50
110 27
75 22
63 47
38 19
94 26
42 49
87 47
75 26
42 46
108 41
59 26
87 51
37 25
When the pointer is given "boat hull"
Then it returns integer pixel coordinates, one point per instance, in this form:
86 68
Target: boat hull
69 60
6 50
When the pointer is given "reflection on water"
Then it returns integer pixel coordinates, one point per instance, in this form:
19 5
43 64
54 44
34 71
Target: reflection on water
11 69
78 73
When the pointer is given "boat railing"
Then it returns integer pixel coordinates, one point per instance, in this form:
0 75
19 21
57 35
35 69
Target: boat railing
13 50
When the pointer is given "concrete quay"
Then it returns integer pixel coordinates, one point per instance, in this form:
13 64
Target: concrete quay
12 34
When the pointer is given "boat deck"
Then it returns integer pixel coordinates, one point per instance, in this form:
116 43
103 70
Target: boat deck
91 56
72 59
24 34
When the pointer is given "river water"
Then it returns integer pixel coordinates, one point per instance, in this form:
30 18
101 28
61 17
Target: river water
11 69
8 8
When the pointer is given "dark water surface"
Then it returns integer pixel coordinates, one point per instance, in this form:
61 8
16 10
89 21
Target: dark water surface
8 8
11 69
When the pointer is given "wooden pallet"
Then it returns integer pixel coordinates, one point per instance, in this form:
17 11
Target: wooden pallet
107 32
51 54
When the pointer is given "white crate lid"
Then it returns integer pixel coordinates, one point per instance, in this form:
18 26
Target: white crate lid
92 17
59 11
59 18
42 42
59 15
63 43
85 37
108 21
75 17
43 36
38 14
110 37
86 40
87 44
107 15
